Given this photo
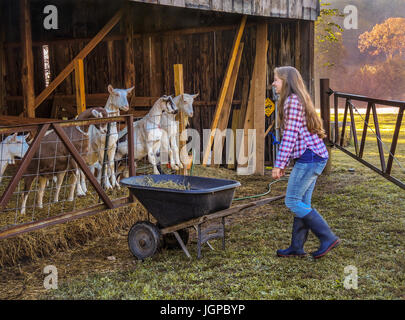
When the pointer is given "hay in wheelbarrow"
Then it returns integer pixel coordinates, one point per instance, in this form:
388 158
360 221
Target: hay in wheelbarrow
168 184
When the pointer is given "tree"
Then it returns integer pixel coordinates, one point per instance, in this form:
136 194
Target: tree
387 38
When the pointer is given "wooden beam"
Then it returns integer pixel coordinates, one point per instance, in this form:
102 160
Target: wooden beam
81 55
226 110
28 61
79 83
260 94
225 85
179 89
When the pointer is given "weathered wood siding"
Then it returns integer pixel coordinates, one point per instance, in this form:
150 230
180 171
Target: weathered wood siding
293 9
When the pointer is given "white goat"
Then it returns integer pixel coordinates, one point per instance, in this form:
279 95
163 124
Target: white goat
169 148
147 133
116 101
11 147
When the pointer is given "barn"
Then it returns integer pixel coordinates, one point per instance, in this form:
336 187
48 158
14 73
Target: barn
137 43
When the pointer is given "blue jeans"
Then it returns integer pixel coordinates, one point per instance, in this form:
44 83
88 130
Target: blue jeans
300 186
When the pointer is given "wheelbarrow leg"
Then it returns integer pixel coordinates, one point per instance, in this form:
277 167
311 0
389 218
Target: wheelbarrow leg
196 229
181 244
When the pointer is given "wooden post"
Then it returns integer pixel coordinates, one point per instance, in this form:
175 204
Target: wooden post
179 89
28 61
325 115
255 117
224 88
226 110
129 59
260 95
79 83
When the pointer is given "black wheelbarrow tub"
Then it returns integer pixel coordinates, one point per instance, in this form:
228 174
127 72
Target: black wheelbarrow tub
171 206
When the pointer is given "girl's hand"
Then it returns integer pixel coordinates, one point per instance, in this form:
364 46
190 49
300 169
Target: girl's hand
277 173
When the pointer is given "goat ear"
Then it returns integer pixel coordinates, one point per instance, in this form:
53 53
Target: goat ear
195 95
14 136
130 90
110 89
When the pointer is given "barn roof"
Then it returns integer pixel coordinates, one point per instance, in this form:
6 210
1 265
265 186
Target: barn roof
293 9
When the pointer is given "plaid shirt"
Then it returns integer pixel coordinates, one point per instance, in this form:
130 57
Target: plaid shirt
296 137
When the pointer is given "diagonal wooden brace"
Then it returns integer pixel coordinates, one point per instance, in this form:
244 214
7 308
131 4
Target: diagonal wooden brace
82 165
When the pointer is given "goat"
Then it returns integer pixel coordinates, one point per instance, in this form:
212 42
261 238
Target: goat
169 148
12 147
53 157
147 133
117 101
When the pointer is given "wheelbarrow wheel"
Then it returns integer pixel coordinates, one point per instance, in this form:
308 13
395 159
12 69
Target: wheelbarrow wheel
143 239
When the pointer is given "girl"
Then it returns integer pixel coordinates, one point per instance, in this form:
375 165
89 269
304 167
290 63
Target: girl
302 141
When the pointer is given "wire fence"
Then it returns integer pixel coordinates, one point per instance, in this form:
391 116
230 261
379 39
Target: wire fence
54 172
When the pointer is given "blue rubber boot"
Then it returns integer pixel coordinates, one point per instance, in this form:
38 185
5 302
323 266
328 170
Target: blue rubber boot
298 238
320 228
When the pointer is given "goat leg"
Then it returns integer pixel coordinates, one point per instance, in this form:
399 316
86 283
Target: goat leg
59 180
42 184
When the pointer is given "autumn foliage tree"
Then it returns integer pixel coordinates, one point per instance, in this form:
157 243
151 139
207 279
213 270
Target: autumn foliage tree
387 38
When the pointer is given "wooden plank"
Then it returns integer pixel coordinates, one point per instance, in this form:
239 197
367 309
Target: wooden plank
179 3
156 67
204 4
225 85
226 110
248 119
283 8
227 5
79 84
216 5
129 56
238 6
179 89
295 9
2 70
147 74
260 94
28 61
275 10
235 120
81 55
247 6
221 213
267 8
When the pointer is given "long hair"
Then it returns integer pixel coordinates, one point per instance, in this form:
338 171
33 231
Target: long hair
293 84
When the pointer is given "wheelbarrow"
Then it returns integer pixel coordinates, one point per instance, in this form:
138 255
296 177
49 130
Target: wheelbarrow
177 210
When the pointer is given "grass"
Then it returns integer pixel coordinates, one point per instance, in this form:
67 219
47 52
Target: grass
366 211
